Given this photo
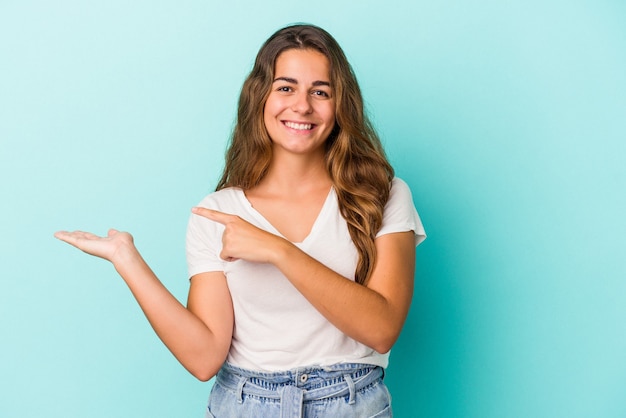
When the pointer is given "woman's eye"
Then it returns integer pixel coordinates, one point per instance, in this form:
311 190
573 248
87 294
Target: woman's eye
320 93
284 89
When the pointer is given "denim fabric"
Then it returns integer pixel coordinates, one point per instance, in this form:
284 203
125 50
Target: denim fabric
342 390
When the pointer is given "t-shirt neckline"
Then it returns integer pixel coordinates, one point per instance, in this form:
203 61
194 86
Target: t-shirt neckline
330 198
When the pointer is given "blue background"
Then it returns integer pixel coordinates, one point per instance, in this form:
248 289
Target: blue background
506 118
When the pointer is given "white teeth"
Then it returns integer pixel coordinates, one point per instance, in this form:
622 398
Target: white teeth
299 126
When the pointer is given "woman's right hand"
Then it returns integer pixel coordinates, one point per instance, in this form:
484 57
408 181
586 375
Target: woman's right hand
110 247
199 337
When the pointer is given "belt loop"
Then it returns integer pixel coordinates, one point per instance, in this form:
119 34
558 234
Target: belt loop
350 383
291 399
242 381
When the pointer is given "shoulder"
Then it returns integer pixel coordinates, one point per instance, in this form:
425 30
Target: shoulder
400 213
399 186
400 193
228 200
222 199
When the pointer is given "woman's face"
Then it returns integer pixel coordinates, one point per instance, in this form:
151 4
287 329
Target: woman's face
299 113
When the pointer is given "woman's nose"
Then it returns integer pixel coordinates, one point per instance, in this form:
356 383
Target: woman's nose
302 103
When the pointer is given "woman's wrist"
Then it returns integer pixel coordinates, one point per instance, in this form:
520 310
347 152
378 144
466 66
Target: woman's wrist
125 255
282 251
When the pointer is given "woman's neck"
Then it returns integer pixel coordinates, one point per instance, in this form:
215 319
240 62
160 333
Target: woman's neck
298 174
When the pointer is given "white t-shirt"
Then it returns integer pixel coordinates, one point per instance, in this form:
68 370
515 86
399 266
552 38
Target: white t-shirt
276 328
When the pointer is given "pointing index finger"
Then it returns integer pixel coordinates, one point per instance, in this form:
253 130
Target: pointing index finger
213 215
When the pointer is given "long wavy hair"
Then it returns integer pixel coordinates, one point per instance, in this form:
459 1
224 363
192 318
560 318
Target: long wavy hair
355 159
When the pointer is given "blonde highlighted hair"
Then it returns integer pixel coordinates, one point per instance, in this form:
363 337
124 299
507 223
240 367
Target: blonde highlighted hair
355 159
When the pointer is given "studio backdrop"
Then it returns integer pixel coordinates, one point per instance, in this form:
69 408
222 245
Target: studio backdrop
506 119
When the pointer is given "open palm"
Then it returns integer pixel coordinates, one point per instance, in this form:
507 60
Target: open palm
104 247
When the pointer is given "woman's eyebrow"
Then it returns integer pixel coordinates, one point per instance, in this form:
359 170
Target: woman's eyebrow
294 81
287 79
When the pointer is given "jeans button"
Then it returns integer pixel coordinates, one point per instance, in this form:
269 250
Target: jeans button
304 378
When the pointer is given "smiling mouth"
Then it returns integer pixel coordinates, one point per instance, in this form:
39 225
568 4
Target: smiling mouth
299 126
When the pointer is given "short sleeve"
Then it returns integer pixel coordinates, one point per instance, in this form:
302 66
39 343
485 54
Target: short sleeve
400 214
203 244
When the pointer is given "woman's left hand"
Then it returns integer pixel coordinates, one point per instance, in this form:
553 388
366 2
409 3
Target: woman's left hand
241 239
372 314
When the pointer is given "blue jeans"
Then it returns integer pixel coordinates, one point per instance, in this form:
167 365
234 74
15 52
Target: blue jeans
342 390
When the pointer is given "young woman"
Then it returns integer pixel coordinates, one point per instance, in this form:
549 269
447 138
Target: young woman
302 261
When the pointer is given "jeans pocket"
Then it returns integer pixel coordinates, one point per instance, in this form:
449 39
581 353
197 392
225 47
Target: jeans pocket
385 413
379 400
208 413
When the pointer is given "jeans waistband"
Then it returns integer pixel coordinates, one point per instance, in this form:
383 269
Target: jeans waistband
300 385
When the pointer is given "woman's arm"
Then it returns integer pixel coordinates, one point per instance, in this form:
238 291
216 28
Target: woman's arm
372 314
199 336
